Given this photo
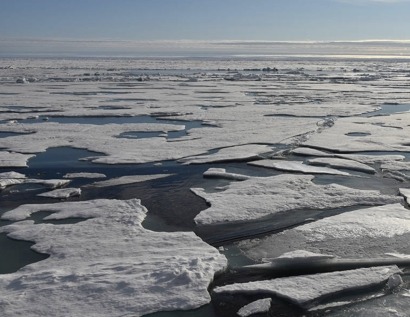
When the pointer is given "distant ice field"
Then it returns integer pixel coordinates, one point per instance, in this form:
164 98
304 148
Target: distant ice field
183 171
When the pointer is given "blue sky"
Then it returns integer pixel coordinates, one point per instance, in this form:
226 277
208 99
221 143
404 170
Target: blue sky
273 20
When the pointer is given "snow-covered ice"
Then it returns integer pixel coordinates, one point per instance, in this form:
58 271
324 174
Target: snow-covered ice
259 306
363 233
258 197
342 163
297 166
236 153
84 175
11 159
304 290
62 193
107 265
223 174
130 179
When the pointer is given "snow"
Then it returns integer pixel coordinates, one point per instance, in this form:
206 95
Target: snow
297 166
359 234
258 197
106 265
62 193
130 179
342 163
304 290
259 306
84 175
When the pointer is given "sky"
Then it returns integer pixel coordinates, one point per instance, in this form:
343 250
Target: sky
206 20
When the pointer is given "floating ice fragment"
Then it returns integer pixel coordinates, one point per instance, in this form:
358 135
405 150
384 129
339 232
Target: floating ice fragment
297 166
262 196
236 153
107 265
221 173
359 234
259 306
62 193
124 180
406 193
84 175
11 159
342 163
305 291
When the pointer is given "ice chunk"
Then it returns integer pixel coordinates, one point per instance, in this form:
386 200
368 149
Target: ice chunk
84 175
306 290
11 159
297 166
261 196
236 153
62 193
107 265
360 234
221 173
130 179
259 306
342 163
406 193
303 254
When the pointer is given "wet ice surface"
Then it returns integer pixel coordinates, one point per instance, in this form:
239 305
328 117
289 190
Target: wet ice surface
345 121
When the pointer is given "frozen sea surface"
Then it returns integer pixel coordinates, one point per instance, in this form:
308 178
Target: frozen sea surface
177 134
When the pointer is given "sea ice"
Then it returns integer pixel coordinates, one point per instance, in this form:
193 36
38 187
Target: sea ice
262 196
62 193
106 265
342 163
360 234
11 159
14 178
235 153
365 159
297 166
406 193
259 306
387 133
84 175
221 173
306 290
130 179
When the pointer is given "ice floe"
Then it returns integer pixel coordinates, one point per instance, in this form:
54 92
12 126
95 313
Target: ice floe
14 178
388 133
221 173
236 153
342 163
84 175
130 179
365 159
10 159
359 234
106 265
305 290
406 193
259 197
62 193
297 166
259 306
